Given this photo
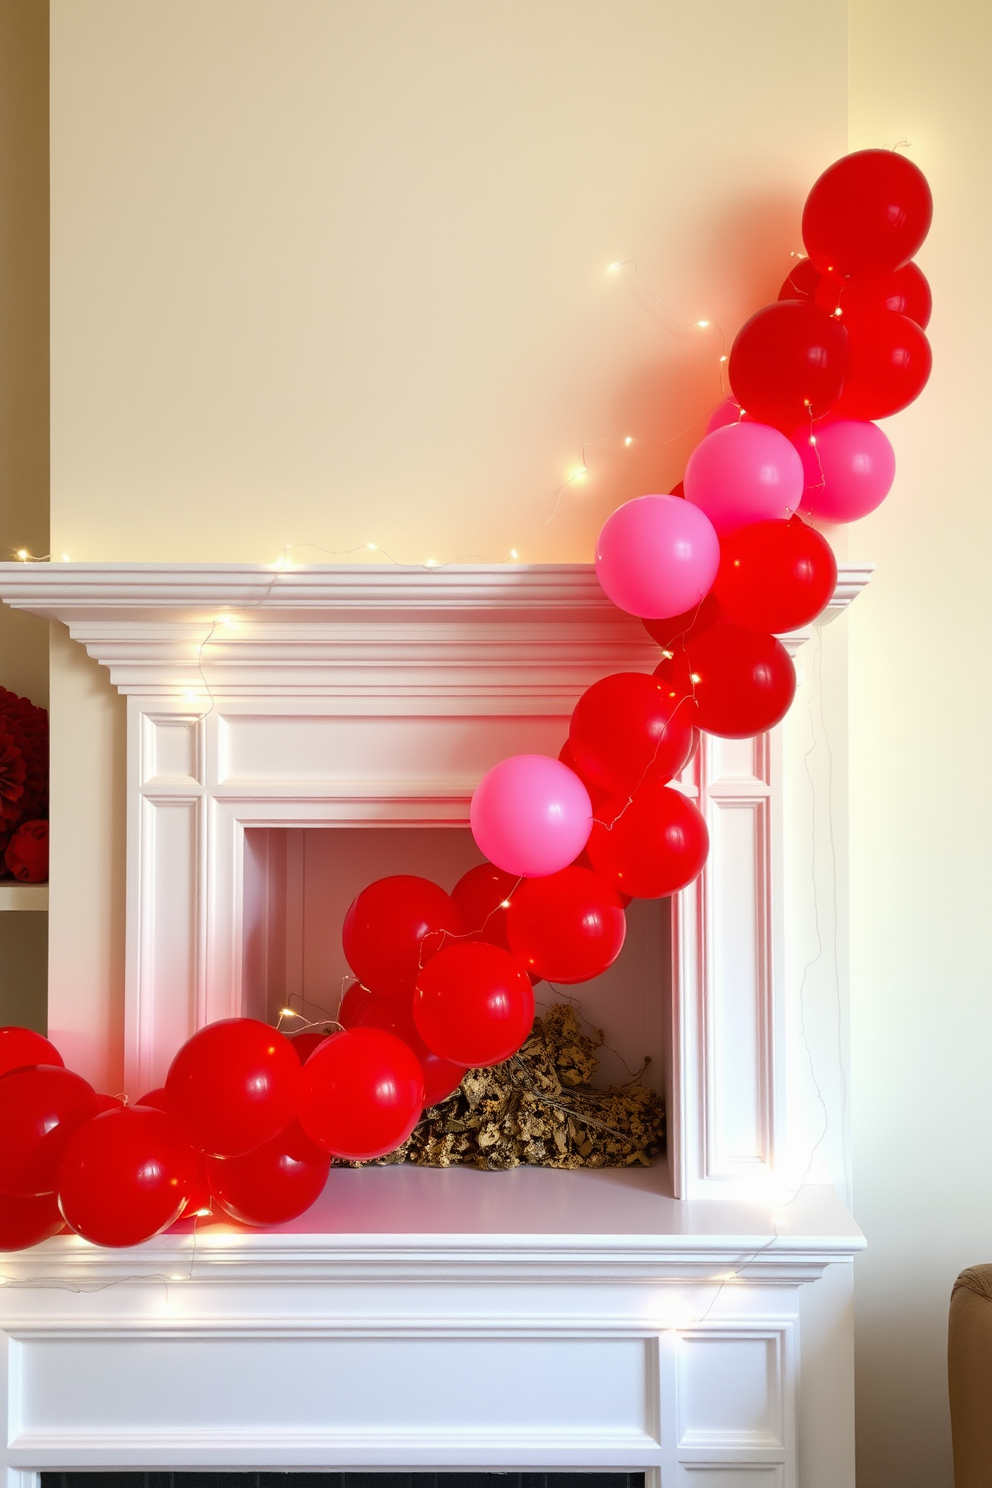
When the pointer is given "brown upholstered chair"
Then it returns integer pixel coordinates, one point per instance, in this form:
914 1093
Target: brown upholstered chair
969 1377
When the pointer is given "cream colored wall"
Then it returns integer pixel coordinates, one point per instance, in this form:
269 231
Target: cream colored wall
921 821
333 271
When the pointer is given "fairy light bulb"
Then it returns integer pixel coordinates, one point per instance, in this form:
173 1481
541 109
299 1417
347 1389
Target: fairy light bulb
628 442
514 554
371 547
287 1013
22 554
431 563
703 324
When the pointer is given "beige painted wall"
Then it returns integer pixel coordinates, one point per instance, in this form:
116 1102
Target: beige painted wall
334 271
921 821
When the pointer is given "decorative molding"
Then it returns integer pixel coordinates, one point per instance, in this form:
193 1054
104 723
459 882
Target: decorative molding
502 631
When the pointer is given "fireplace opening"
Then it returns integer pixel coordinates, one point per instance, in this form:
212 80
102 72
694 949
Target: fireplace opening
298 883
318 1479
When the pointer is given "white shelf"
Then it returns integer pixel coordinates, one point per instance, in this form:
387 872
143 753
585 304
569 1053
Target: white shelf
23 896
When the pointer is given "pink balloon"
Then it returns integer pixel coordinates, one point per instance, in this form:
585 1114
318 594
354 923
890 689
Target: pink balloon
744 473
657 556
728 412
849 466
531 815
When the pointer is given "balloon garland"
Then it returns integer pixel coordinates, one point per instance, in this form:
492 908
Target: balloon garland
249 1120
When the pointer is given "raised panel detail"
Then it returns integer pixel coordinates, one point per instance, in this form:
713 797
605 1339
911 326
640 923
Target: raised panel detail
732 1475
166 1012
730 1391
737 988
452 753
169 750
339 1395
735 759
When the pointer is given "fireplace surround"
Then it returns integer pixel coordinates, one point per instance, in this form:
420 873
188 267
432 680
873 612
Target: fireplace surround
435 1320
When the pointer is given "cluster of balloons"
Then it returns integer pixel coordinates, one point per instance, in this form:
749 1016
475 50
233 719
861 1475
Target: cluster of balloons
249 1120
729 561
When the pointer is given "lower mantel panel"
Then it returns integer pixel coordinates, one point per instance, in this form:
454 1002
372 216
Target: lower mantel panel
391 1400
690 1405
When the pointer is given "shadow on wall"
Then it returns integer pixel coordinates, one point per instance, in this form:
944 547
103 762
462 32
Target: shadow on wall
663 408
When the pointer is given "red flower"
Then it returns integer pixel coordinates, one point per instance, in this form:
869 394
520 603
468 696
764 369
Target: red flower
27 852
27 726
12 775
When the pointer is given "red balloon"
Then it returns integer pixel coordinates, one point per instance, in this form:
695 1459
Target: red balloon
273 1184
474 1004
27 1221
40 1108
906 292
567 927
304 1044
22 1046
157 1099
352 1003
441 1077
393 928
126 1176
652 845
788 363
596 793
675 632
363 1093
802 281
624 729
775 576
678 489
889 366
742 681
585 861
198 1199
480 897
235 1084
867 214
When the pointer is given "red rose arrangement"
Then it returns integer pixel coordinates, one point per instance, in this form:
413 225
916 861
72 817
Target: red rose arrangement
23 789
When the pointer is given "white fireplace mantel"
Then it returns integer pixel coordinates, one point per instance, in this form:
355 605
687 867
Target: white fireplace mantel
658 1309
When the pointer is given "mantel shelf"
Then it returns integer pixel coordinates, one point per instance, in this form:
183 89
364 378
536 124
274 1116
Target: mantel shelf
23 896
195 591
349 630
454 1224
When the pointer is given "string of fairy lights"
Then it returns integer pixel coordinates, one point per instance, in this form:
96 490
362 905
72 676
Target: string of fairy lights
580 472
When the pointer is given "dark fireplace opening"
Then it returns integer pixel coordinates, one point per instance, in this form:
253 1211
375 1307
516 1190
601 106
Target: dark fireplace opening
318 1479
